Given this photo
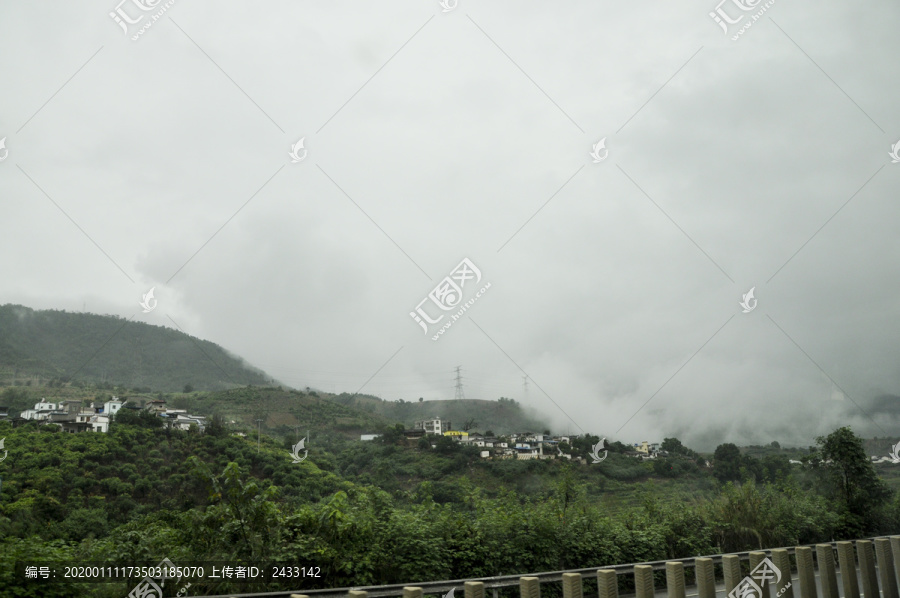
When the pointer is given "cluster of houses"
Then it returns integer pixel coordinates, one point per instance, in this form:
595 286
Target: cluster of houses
524 445
74 417
647 450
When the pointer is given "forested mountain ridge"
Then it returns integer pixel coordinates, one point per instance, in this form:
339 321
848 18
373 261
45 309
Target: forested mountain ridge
43 345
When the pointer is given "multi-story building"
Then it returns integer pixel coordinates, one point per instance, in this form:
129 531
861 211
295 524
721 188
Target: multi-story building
434 425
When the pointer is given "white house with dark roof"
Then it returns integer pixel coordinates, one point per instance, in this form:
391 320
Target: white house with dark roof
41 410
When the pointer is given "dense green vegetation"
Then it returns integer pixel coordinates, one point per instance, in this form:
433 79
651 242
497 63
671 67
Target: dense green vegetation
398 511
59 346
391 510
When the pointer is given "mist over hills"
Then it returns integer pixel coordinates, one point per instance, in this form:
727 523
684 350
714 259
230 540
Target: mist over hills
40 347
47 348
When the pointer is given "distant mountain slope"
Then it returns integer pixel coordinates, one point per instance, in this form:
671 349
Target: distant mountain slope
281 410
90 348
505 416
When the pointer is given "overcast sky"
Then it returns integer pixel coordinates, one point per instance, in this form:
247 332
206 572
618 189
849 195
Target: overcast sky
429 137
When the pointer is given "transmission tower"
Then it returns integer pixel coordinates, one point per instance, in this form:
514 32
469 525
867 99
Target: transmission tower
525 385
459 385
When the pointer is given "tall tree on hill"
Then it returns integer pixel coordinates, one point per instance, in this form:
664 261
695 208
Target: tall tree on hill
671 445
852 479
727 462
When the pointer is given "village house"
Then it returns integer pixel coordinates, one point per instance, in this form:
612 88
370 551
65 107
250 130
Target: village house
184 422
414 434
156 406
524 451
73 417
41 410
97 417
434 425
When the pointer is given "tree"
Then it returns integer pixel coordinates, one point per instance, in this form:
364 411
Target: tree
421 399
853 479
216 426
774 467
392 435
672 445
583 445
664 468
617 447
242 515
445 445
470 423
775 445
727 462
188 388
141 418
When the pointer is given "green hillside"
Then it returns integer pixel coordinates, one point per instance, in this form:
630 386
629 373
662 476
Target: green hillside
388 510
504 416
40 346
282 411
